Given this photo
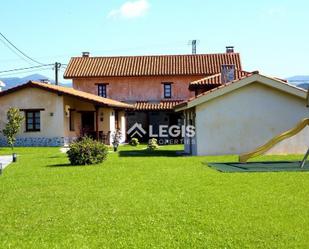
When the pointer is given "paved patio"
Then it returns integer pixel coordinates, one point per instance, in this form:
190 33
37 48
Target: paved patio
5 160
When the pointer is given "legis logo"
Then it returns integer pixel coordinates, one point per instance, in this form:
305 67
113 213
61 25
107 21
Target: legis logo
136 130
164 131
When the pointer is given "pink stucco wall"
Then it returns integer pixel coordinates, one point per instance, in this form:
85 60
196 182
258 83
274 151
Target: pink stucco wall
133 89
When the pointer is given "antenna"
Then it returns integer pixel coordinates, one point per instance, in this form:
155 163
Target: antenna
194 44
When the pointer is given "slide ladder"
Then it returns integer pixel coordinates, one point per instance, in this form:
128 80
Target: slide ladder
303 162
243 158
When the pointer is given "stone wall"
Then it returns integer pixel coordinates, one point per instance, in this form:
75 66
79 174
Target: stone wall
40 141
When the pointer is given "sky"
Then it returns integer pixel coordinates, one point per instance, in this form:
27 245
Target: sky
271 35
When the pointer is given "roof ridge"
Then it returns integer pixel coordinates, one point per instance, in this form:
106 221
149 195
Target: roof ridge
152 55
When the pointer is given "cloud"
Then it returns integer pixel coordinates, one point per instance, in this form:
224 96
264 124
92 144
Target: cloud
131 9
277 12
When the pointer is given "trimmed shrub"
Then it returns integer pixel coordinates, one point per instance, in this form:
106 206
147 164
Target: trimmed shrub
134 142
87 151
153 144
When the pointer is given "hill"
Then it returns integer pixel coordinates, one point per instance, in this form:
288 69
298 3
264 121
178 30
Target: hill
15 81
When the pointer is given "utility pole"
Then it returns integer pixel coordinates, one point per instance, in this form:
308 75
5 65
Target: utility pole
57 67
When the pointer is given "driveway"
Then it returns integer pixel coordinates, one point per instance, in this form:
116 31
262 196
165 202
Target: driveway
5 160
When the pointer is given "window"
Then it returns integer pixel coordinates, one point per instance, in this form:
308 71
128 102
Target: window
102 90
167 90
33 121
72 128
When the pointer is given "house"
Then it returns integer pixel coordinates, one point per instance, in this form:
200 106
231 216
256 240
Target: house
243 114
55 115
154 85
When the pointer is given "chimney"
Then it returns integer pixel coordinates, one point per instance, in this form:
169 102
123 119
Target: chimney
229 49
227 73
85 54
194 42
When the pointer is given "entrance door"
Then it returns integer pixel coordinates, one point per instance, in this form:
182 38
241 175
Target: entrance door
88 124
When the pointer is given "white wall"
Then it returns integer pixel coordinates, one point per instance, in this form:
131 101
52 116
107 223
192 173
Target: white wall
293 145
31 98
246 118
122 123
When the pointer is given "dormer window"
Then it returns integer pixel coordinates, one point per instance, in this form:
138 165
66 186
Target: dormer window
167 90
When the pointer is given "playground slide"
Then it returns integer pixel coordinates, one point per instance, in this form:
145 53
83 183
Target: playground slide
264 148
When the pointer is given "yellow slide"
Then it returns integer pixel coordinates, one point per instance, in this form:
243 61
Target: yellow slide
264 148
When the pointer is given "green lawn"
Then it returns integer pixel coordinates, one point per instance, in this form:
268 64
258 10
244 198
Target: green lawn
136 201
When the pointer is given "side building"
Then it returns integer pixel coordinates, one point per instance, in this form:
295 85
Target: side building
243 114
55 115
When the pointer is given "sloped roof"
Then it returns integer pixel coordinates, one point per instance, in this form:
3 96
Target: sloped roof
216 79
273 82
163 105
199 64
70 92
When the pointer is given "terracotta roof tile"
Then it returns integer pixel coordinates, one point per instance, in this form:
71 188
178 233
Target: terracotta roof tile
216 80
163 105
185 102
200 64
70 92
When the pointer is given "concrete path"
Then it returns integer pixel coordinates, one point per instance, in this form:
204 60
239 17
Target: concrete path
64 149
5 160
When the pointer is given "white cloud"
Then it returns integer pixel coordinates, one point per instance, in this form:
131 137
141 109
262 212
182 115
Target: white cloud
131 9
277 12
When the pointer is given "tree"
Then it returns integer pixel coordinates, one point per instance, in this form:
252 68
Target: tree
13 126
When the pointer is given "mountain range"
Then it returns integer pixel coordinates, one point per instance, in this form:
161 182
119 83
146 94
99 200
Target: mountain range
300 81
15 81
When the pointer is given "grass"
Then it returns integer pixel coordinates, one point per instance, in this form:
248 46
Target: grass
136 201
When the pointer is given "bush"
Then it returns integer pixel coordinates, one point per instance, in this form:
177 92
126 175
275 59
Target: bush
86 151
134 142
153 144
116 137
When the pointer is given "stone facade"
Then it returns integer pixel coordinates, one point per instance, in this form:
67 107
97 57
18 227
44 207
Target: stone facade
40 141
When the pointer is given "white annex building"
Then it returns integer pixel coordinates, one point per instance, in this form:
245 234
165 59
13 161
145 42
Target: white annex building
244 114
